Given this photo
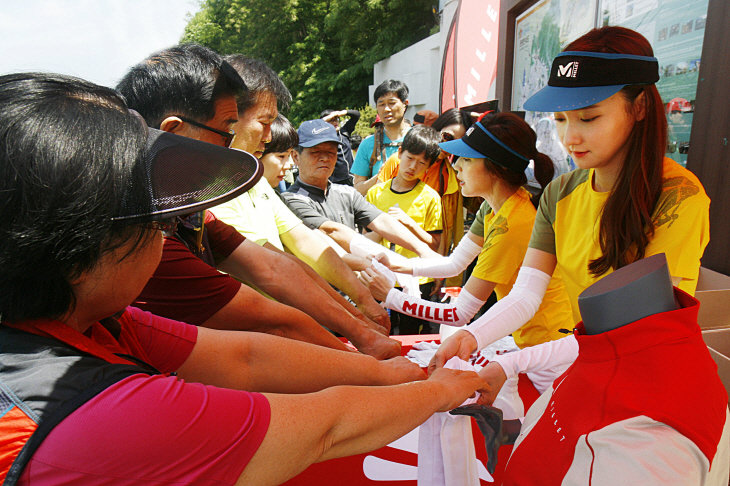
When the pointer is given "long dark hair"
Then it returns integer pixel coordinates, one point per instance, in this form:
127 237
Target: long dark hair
514 132
626 219
67 149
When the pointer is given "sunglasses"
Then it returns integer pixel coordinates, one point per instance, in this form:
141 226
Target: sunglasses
227 136
447 137
167 226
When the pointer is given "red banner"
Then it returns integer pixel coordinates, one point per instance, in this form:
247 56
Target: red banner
469 68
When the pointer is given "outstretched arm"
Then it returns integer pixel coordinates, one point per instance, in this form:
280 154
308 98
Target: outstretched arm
311 249
349 420
286 281
251 311
264 363
392 230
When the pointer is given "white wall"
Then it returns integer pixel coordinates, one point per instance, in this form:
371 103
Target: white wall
419 66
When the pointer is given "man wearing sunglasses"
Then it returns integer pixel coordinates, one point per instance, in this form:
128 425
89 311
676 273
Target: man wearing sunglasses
190 91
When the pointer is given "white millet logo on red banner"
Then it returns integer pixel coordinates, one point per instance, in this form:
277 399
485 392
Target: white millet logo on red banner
570 70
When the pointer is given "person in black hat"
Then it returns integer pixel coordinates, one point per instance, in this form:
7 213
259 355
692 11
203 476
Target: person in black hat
95 391
626 201
337 209
191 91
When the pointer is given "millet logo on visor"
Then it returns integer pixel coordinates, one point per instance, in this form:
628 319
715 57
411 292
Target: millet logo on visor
569 70
468 132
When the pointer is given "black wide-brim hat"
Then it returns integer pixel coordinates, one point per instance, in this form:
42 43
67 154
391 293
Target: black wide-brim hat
178 175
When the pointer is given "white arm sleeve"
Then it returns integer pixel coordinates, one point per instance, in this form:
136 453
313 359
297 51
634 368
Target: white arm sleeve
514 310
451 314
544 356
460 258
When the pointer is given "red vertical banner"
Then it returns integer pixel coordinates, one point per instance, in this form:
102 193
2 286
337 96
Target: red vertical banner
473 46
447 94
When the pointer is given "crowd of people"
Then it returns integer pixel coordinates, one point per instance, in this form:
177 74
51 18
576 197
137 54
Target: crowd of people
172 310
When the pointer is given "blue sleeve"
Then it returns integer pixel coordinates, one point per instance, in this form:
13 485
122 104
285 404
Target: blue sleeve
361 166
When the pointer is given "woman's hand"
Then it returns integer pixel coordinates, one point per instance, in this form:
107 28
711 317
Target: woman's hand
495 377
377 283
461 344
458 386
404 267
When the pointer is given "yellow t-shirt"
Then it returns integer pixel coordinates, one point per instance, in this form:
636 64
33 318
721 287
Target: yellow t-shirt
567 225
506 235
421 203
259 215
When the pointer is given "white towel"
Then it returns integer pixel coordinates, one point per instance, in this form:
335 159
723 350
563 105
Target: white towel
446 455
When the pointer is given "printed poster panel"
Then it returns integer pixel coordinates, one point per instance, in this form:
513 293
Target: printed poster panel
540 34
676 30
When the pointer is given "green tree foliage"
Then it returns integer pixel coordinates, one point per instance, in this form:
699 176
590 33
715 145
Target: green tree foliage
324 50
367 117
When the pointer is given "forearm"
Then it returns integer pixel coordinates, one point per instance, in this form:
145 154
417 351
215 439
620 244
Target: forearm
512 311
541 357
285 280
264 363
457 314
251 311
399 410
363 185
432 240
325 261
392 230
339 233
454 264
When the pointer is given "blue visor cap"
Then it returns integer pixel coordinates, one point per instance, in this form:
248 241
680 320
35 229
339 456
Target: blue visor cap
580 79
314 132
479 143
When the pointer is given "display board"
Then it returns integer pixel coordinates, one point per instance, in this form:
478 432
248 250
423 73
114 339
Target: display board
676 30
540 34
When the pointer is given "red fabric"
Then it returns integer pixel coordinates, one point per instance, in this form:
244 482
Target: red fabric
185 288
223 238
626 373
152 429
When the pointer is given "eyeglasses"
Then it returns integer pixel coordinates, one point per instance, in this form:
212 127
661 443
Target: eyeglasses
446 137
167 226
227 136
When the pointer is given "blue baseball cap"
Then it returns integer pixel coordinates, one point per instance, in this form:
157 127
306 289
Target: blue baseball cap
314 132
579 79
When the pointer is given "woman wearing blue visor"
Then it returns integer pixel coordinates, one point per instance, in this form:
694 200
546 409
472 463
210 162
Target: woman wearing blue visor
493 156
625 202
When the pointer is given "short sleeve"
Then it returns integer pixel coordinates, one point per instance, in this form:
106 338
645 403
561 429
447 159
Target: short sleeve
477 227
543 234
361 165
168 343
390 168
504 249
185 288
223 238
303 209
365 213
285 218
681 228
